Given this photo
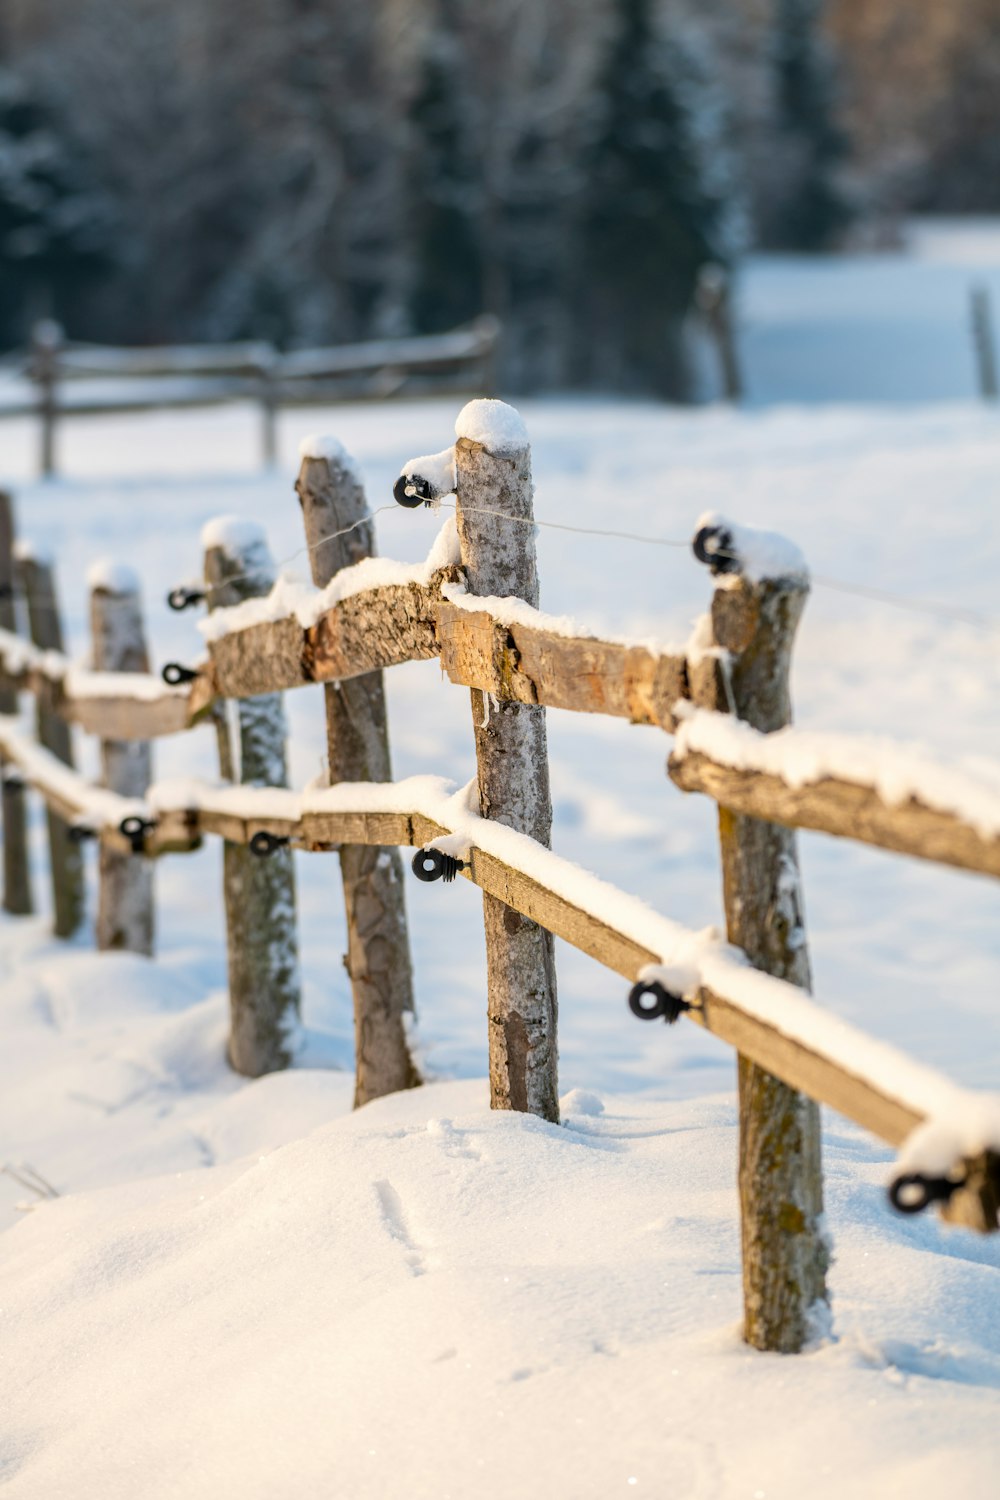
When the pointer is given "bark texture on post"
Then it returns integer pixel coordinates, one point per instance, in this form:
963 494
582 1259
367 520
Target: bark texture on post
493 483
125 894
66 861
259 892
46 341
785 1254
16 873
378 948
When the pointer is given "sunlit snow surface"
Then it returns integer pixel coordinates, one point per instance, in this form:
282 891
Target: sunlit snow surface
424 1299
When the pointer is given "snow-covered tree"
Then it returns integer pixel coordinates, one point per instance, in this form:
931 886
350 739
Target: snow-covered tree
55 223
657 205
445 185
807 208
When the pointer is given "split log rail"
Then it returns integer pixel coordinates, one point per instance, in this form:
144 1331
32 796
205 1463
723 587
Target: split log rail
725 699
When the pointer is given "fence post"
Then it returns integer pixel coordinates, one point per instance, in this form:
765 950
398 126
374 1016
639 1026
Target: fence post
259 892
46 341
16 873
125 897
268 397
493 469
713 296
983 342
785 1253
38 581
378 948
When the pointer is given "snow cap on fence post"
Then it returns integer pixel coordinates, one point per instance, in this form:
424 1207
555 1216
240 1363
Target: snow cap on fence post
259 893
339 533
494 508
125 888
761 589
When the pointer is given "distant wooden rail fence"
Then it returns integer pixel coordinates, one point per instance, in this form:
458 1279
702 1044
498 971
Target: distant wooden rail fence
77 380
473 606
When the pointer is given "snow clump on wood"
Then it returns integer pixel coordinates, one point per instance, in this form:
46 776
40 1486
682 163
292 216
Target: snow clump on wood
496 425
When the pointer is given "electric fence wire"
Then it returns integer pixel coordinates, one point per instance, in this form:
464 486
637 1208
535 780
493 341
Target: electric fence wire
933 608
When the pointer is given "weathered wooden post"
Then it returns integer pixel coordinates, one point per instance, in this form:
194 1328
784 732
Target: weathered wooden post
46 341
984 343
494 504
38 582
259 891
125 897
268 397
755 613
378 950
713 295
16 873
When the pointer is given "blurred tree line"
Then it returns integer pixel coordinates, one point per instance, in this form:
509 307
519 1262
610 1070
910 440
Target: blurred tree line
314 171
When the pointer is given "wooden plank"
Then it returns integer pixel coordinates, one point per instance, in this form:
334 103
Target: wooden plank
800 1066
364 633
139 706
844 809
525 663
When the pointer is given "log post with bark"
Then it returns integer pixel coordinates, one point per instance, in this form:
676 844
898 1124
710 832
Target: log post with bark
259 890
38 583
339 532
125 893
785 1253
495 527
16 873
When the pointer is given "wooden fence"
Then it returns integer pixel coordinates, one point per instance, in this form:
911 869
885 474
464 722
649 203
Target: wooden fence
473 606
77 380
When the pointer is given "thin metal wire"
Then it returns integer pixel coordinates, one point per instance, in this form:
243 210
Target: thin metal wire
934 608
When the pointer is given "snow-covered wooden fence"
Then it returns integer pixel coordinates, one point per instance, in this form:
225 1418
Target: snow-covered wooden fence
724 698
77 380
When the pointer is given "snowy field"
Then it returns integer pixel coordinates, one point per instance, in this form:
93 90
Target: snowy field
245 1290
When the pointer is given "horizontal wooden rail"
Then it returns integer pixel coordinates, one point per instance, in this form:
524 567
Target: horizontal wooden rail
114 705
830 783
68 793
765 1019
526 659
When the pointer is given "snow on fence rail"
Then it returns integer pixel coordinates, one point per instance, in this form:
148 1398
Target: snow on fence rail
724 696
91 379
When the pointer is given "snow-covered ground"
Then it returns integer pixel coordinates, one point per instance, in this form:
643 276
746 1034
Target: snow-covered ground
424 1299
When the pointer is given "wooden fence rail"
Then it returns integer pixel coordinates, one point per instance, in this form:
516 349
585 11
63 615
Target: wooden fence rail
473 606
92 380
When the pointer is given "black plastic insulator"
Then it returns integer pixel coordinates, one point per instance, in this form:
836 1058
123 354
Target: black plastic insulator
263 843
174 675
913 1192
410 490
434 864
713 546
12 782
135 830
79 833
184 598
649 1000
7 591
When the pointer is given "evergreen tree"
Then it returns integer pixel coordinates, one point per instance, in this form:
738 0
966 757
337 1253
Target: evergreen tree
656 207
55 225
445 185
808 208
